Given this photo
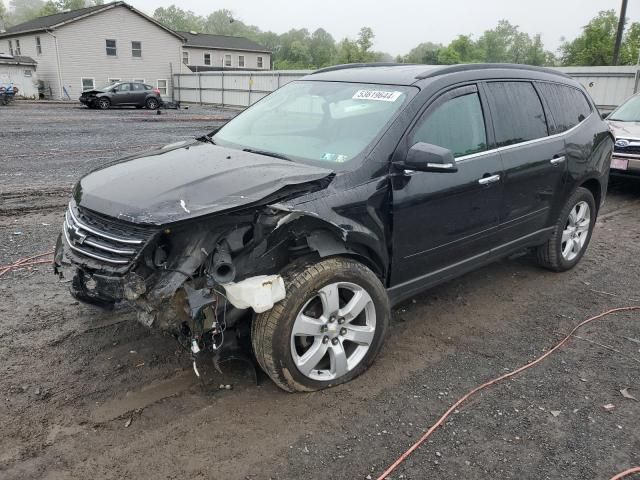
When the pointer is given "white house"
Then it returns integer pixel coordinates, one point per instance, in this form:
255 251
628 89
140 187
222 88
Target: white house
94 46
206 52
21 71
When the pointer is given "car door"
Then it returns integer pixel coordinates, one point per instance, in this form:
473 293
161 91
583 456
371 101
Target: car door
138 94
444 222
121 94
534 162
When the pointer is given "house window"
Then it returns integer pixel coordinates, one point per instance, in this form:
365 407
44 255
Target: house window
112 50
163 87
138 80
207 59
259 62
38 46
114 80
241 60
185 58
227 60
11 48
18 48
88 84
136 49
27 73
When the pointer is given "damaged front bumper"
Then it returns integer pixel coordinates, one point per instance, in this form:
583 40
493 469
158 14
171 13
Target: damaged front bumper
170 276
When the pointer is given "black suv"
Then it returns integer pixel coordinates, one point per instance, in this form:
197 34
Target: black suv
122 94
295 227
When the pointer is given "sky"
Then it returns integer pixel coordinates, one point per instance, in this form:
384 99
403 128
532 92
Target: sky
400 25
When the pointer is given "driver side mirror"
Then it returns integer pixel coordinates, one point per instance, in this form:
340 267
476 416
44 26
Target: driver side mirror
424 157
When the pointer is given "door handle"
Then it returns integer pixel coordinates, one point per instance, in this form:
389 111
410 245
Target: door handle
488 180
557 160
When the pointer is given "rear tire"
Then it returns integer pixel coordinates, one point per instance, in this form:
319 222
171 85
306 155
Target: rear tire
152 103
571 234
342 306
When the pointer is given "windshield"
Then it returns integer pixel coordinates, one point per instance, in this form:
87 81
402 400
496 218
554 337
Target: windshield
325 122
107 87
629 111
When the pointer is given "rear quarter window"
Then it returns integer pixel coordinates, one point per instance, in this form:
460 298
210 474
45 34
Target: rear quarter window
568 105
148 87
516 111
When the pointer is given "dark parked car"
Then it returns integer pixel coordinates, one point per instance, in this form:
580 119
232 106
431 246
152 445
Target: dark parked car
122 94
625 125
300 222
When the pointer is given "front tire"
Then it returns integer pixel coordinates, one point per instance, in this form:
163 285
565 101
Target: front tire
571 234
103 103
327 330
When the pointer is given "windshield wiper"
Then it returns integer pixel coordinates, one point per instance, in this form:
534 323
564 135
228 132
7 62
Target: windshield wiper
206 139
267 154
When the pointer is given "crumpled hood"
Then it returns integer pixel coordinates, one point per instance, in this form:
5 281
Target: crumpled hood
624 129
176 183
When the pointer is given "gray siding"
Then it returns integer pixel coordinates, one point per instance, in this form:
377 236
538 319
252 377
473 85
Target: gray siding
196 57
82 47
47 71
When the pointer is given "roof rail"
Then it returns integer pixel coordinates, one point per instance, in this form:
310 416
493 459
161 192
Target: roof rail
485 66
346 66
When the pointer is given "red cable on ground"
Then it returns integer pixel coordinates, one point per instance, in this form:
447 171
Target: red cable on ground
25 262
442 419
626 473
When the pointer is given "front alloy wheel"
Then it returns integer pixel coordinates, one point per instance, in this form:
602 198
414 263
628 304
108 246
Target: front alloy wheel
327 330
328 339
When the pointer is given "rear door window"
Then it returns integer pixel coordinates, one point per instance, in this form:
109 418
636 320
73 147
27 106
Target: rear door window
568 105
456 124
517 112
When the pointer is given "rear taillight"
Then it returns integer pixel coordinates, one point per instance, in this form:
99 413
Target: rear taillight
156 91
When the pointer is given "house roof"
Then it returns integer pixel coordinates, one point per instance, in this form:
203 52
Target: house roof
221 42
58 19
6 59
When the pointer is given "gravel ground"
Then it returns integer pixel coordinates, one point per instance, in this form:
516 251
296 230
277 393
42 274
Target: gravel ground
92 394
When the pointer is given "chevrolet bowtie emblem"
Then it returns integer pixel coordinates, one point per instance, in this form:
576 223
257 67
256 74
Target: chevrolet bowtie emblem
76 235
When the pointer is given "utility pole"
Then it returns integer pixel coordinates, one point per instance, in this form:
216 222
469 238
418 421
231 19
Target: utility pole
616 47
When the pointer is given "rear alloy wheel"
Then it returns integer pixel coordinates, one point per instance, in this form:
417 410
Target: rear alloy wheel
103 103
152 103
327 330
571 234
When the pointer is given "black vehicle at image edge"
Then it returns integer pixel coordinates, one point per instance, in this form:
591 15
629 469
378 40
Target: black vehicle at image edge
293 228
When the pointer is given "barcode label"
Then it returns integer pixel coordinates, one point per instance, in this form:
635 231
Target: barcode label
378 95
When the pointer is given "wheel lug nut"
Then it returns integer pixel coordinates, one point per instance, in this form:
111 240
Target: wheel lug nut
341 320
334 341
325 340
332 319
343 331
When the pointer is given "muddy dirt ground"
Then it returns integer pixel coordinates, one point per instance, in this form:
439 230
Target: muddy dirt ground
92 394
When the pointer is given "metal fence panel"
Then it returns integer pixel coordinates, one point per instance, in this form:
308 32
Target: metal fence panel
608 86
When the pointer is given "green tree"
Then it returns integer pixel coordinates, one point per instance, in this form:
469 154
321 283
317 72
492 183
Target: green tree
425 53
595 45
178 19
631 45
322 48
24 10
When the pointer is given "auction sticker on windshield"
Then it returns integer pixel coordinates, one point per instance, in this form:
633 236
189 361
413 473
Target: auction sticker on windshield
379 95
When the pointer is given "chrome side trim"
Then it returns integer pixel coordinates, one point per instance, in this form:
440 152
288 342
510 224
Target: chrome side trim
102 234
472 156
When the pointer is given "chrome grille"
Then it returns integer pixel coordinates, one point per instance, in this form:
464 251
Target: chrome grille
102 238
